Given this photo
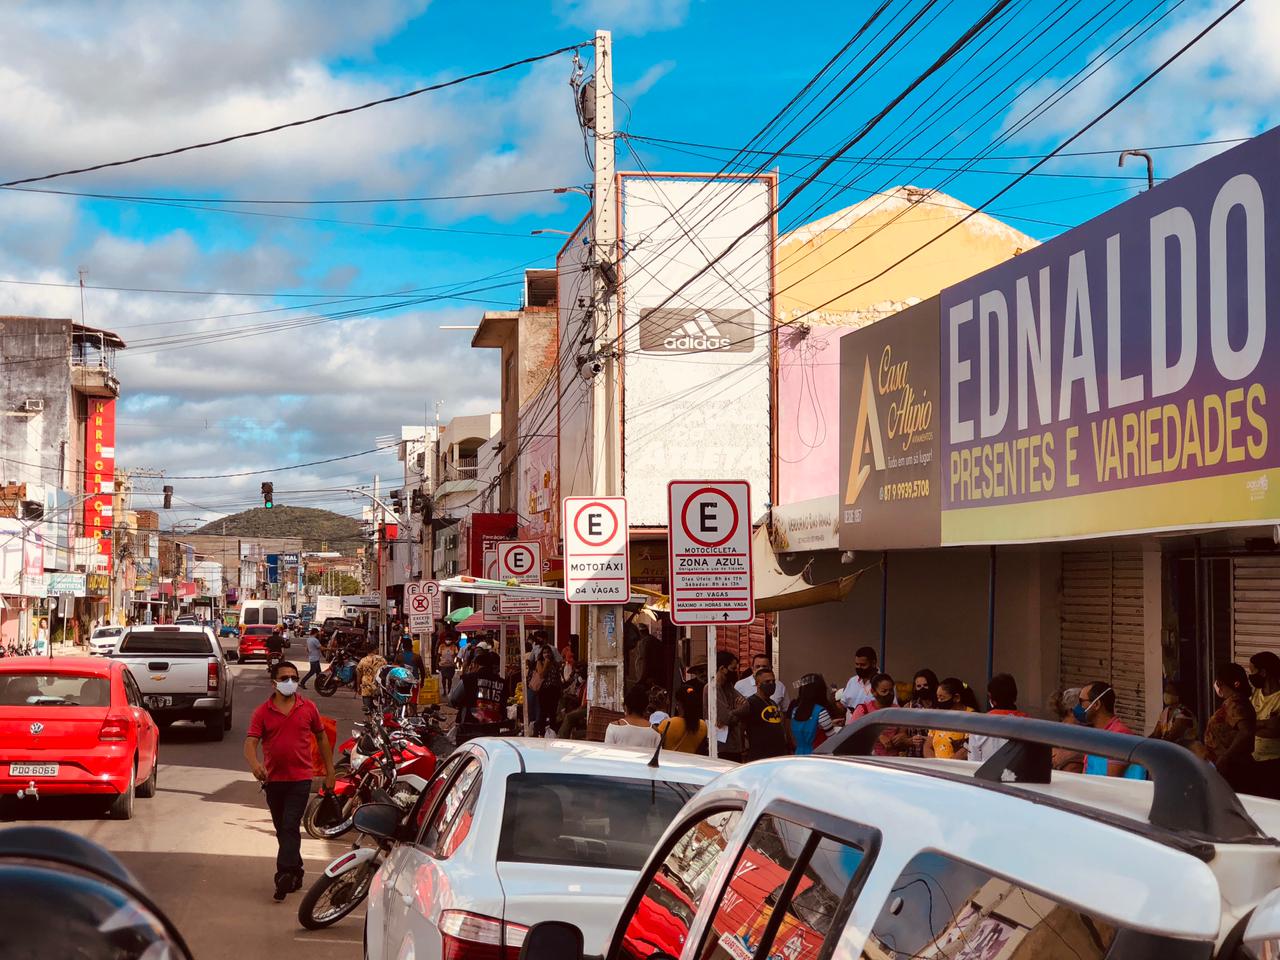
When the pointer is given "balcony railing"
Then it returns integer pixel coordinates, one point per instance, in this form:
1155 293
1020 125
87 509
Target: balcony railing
465 468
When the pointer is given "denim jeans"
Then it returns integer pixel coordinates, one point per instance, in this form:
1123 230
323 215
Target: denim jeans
312 671
287 801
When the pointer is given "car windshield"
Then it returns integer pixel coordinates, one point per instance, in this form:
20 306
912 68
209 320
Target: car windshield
166 641
587 821
53 690
107 632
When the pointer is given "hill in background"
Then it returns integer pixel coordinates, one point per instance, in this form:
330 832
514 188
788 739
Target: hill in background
319 529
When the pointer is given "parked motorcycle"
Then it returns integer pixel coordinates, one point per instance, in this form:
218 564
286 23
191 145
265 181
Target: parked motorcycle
341 673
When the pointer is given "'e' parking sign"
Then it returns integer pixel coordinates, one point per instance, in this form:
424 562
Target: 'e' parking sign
597 567
709 543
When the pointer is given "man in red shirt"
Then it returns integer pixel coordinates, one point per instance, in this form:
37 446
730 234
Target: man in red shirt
286 725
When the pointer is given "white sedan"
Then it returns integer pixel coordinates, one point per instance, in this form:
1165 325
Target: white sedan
516 831
103 640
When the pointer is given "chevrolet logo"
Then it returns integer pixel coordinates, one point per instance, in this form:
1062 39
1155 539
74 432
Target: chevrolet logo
37 727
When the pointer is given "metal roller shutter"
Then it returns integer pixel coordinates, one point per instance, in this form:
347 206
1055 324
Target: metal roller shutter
1255 606
1102 627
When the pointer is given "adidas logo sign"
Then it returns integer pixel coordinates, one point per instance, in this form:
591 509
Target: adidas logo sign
697 333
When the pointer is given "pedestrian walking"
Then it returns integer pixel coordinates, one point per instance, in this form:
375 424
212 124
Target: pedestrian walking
858 690
747 685
808 717
367 675
1002 698
892 741
1264 677
633 730
1229 734
686 732
447 658
285 727
315 656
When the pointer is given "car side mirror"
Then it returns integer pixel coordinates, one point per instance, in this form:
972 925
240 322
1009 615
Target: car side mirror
550 940
380 820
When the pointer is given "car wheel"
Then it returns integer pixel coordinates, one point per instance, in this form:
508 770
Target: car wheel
214 728
122 806
149 786
226 720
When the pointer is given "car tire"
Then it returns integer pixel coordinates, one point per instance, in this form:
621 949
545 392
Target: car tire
122 806
214 729
226 720
149 786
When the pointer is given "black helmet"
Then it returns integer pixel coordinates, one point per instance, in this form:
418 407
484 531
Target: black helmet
90 905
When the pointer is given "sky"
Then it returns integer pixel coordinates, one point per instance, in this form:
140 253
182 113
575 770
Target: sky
284 336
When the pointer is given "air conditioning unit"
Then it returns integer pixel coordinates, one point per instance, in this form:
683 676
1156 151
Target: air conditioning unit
32 405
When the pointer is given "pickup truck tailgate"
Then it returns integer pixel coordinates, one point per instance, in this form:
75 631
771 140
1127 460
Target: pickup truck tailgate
170 660
158 673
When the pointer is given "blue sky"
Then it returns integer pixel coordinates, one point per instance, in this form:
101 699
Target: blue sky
81 83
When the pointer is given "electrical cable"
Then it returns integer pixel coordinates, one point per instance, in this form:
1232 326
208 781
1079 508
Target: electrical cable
298 123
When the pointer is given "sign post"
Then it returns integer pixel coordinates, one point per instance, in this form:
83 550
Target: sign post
417 606
709 546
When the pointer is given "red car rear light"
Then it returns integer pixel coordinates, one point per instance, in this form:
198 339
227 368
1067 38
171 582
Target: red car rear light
114 730
213 677
470 936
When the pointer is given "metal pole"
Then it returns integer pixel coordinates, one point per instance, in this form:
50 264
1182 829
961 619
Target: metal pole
502 655
884 607
991 612
527 692
713 745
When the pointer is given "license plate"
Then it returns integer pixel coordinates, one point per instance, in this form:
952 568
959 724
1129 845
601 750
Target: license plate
154 702
33 769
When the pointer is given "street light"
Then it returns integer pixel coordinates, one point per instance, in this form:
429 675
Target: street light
538 233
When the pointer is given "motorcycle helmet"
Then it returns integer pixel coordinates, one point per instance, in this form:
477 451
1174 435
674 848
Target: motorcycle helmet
399 684
91 906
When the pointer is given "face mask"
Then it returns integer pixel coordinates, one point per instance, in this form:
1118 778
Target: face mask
287 688
1170 699
945 704
1080 713
864 673
886 700
1257 680
767 688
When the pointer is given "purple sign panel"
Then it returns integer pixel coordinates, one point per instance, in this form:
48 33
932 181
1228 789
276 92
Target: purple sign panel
1126 375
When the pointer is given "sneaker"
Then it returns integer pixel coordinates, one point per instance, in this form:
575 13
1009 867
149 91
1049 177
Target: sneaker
295 884
284 882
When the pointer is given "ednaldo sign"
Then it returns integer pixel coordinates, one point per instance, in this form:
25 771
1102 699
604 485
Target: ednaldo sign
1125 376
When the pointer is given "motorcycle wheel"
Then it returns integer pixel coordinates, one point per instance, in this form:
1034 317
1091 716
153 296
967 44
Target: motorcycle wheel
329 832
326 685
332 898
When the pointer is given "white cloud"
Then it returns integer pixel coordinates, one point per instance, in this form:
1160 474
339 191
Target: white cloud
624 16
647 81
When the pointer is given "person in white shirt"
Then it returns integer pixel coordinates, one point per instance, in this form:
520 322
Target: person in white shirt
858 690
633 730
747 685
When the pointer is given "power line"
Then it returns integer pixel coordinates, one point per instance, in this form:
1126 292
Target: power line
298 123
141 198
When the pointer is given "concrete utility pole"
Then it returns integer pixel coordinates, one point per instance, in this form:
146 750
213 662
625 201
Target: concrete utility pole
606 624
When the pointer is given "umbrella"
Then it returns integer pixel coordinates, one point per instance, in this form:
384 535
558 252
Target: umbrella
456 616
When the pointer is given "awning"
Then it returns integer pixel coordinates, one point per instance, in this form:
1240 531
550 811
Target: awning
489 588
776 590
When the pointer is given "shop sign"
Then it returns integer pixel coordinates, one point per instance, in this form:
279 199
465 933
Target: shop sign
889 416
1125 376
99 583
806 525
65 584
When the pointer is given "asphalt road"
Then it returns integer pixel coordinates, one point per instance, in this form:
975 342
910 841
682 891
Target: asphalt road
204 846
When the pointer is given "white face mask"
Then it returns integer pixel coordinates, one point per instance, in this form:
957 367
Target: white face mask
287 688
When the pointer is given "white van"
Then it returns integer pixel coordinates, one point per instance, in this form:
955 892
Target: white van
260 613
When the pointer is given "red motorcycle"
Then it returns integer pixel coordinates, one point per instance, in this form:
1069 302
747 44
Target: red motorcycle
393 763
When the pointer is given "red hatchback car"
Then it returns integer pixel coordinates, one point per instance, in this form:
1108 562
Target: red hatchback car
75 726
253 642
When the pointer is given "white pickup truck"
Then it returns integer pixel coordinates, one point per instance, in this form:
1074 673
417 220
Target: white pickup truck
182 674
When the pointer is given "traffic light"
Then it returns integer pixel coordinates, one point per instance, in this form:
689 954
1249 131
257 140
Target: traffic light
168 497
268 495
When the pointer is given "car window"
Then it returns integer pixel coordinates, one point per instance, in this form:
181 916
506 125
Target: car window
131 691
941 907
434 789
449 823
576 820
663 915
166 642
53 690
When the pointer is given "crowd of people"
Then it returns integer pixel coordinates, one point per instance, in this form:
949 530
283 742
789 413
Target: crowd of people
755 718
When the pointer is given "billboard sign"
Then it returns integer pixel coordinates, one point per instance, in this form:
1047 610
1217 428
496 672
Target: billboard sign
1125 376
100 476
889 432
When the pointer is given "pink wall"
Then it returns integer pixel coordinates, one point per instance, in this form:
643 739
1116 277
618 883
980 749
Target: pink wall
808 412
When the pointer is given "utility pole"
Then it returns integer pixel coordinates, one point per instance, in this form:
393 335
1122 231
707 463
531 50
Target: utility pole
606 627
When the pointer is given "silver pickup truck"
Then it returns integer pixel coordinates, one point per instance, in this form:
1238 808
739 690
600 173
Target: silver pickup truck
182 674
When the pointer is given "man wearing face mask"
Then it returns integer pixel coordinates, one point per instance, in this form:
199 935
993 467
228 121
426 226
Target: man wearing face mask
767 735
858 690
286 726
1096 707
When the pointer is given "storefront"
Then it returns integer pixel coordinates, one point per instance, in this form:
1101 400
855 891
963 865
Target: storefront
1081 439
